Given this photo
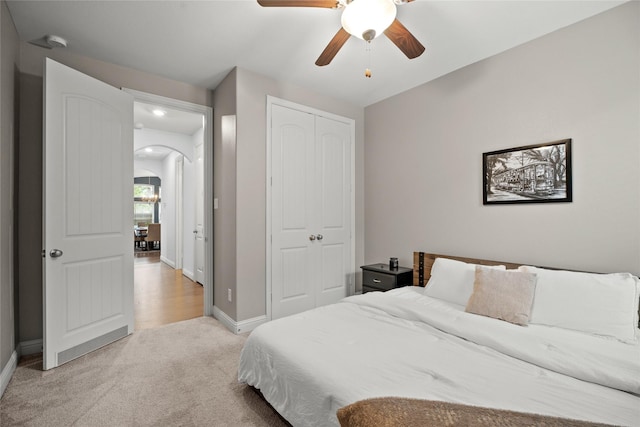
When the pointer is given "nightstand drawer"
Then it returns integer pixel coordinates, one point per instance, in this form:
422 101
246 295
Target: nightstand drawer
378 280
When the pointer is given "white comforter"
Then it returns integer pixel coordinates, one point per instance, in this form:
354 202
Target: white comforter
402 343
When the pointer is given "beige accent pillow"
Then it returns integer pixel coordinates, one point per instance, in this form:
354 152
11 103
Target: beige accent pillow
503 294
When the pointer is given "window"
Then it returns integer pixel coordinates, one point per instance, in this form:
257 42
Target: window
142 213
144 203
143 191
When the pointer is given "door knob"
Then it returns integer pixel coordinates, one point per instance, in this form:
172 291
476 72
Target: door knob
55 253
312 237
320 237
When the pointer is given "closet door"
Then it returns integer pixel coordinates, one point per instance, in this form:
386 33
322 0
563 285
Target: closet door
310 210
293 203
333 174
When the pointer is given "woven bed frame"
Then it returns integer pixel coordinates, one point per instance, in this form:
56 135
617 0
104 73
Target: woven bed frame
422 263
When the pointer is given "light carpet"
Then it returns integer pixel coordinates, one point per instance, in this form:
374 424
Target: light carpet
183 374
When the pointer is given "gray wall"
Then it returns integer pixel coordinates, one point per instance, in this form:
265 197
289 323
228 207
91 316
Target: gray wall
29 230
8 59
32 62
423 170
249 105
30 159
224 189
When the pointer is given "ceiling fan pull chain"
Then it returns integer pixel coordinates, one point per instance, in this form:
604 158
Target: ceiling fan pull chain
367 71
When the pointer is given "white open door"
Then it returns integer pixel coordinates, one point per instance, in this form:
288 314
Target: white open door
88 214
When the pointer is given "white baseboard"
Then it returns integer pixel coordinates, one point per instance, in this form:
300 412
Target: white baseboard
7 372
189 274
238 327
26 348
167 261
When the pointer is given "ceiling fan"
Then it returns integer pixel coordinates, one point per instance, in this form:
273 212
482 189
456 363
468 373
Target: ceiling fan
365 19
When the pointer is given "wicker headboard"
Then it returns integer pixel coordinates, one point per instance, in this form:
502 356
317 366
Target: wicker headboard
422 263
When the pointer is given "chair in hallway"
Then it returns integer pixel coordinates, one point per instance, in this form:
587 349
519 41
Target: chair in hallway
137 238
153 236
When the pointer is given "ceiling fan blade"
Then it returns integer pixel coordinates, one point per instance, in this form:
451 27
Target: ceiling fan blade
329 4
333 47
405 41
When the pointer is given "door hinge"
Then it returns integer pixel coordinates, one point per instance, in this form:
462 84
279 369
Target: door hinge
44 253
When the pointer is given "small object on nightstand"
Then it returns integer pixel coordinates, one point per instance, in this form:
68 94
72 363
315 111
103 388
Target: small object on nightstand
393 263
380 277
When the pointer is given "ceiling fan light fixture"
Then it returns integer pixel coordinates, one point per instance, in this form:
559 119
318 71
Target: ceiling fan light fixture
361 17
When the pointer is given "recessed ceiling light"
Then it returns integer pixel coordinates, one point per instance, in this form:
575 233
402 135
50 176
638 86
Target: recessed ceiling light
159 112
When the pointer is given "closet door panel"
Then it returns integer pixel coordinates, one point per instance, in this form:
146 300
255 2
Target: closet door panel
332 171
293 270
333 160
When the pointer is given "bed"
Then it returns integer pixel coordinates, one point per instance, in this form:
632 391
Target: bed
442 347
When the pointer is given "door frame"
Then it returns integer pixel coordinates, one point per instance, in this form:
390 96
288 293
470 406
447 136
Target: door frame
199 213
207 112
271 101
179 214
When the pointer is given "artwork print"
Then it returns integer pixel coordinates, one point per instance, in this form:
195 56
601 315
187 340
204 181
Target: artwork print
532 174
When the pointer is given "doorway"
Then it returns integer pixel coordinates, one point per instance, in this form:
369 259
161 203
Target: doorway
162 295
173 142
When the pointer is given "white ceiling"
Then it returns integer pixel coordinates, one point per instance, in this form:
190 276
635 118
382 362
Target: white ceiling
176 121
157 153
199 42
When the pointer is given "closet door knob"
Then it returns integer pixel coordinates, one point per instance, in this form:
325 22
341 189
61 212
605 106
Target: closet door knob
319 237
312 237
55 253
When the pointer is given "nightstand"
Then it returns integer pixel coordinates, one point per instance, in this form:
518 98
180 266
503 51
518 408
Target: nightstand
378 277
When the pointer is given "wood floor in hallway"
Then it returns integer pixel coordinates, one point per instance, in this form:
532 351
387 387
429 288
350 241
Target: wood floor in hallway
163 295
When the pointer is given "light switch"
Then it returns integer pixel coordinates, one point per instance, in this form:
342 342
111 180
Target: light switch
215 203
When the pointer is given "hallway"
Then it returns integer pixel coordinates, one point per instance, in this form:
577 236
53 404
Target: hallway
163 295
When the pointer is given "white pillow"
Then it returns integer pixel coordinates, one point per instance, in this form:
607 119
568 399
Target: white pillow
636 320
452 280
599 304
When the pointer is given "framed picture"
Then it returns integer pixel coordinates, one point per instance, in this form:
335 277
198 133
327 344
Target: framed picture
532 174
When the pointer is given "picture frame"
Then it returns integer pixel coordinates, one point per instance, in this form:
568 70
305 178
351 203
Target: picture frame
538 173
